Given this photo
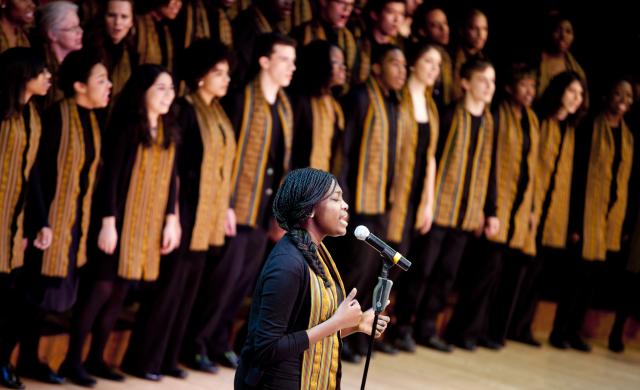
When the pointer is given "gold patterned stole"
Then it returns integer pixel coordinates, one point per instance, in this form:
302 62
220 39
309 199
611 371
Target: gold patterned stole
602 227
237 7
21 40
218 143
121 72
556 223
371 185
408 132
302 12
63 209
452 169
253 148
508 157
197 26
545 75
326 115
16 152
456 86
320 362
261 21
148 46
446 77
346 42
145 210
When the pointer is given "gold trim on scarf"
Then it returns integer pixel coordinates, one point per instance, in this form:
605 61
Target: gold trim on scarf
22 40
556 223
326 114
302 12
15 152
371 186
508 157
148 48
145 210
197 26
121 73
321 361
446 77
63 212
545 75
218 142
408 130
253 148
450 180
237 7
602 227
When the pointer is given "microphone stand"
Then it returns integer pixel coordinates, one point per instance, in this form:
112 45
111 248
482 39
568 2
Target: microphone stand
380 298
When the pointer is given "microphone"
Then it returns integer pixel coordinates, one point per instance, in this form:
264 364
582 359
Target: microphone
390 254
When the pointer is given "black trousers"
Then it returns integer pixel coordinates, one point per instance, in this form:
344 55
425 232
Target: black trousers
20 322
161 322
423 291
477 292
224 285
575 295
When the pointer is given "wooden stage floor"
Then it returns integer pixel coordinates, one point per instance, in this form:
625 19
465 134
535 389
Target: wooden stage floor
515 367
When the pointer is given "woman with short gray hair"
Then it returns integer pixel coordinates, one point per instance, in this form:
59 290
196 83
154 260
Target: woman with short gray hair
61 34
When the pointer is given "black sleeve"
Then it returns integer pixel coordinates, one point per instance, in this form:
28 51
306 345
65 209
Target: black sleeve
302 132
115 160
173 189
282 282
355 108
43 175
233 105
491 202
581 157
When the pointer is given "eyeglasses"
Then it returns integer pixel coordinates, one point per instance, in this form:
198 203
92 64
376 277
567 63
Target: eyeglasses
74 29
345 4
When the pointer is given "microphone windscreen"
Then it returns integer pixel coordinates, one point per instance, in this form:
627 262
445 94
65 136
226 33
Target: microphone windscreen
361 232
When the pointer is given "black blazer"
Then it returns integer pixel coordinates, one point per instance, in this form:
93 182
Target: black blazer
278 320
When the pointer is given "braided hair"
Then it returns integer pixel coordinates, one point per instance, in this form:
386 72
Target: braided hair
293 204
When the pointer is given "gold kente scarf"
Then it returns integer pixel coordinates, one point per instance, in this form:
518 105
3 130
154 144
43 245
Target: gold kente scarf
145 210
302 12
21 40
452 169
602 227
555 225
63 209
508 157
371 186
408 130
16 152
237 7
326 113
253 148
149 49
121 72
321 361
198 24
346 42
545 75
446 77
218 144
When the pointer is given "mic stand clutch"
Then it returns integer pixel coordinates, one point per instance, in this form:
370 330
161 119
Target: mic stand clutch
380 299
